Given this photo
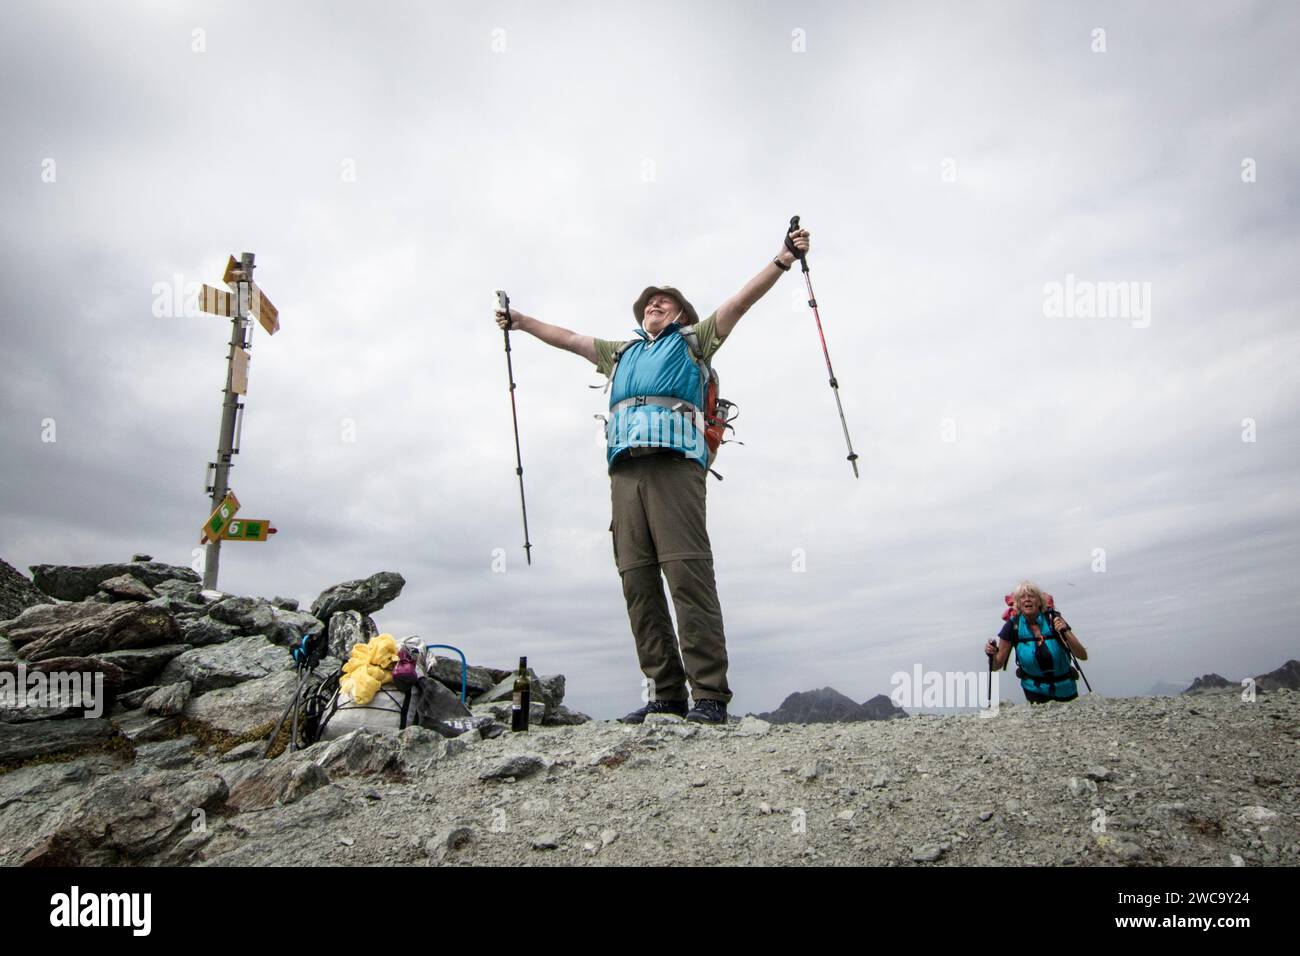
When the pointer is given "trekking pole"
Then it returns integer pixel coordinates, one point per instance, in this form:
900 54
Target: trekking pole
503 305
812 303
990 657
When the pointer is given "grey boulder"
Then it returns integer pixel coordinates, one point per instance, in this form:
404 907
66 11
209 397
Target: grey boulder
366 595
225 665
78 582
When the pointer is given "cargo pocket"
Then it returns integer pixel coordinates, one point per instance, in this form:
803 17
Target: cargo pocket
613 540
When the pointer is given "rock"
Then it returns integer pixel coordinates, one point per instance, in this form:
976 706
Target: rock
125 587
141 665
986 816
562 716
141 557
204 632
285 604
419 749
289 627
73 679
117 627
478 680
927 854
366 595
608 836
245 708
76 583
167 754
518 766
225 665
134 699
812 771
751 726
360 751
277 782
845 815
347 629
138 727
177 609
7 650
44 737
123 818
503 711
504 691
1100 774
663 720
552 690
37 620
448 840
549 840
17 592
247 615
1081 786
180 591
169 701
1256 815
246 751
1235 860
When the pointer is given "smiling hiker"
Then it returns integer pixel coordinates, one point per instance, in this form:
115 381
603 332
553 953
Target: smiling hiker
1043 643
658 454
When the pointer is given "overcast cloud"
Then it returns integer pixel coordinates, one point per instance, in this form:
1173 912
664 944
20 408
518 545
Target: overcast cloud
949 159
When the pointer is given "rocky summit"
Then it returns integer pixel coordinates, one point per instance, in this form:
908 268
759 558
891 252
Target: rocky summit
172 771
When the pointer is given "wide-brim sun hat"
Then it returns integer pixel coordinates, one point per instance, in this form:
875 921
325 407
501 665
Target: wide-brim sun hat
638 307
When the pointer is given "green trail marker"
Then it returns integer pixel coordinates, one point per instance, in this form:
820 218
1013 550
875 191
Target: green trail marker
215 527
247 529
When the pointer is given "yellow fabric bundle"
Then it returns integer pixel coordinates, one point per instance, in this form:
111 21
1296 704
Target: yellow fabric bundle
370 667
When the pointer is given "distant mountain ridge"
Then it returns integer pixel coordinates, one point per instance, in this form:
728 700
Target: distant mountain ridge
828 706
1287 676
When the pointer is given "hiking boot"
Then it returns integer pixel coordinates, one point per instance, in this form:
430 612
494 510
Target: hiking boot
677 707
708 712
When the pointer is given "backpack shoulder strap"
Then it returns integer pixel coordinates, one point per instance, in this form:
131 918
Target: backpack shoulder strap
693 343
618 354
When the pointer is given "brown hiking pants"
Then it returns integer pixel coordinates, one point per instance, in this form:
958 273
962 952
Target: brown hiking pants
658 527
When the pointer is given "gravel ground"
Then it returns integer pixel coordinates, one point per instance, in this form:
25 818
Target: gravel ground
1200 781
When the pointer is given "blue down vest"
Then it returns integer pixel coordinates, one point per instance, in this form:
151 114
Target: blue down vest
650 378
1056 680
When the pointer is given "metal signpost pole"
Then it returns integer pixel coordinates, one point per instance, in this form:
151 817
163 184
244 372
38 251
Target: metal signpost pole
239 325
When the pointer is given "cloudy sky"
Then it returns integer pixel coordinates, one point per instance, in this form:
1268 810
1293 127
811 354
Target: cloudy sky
390 164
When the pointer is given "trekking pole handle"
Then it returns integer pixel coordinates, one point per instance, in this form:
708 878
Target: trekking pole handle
794 227
503 306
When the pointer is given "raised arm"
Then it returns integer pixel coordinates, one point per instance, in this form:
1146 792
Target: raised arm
729 312
561 338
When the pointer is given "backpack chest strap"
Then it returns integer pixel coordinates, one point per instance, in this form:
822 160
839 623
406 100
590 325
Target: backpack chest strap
672 404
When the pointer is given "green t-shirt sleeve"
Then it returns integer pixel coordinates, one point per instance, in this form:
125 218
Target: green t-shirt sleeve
707 333
605 351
